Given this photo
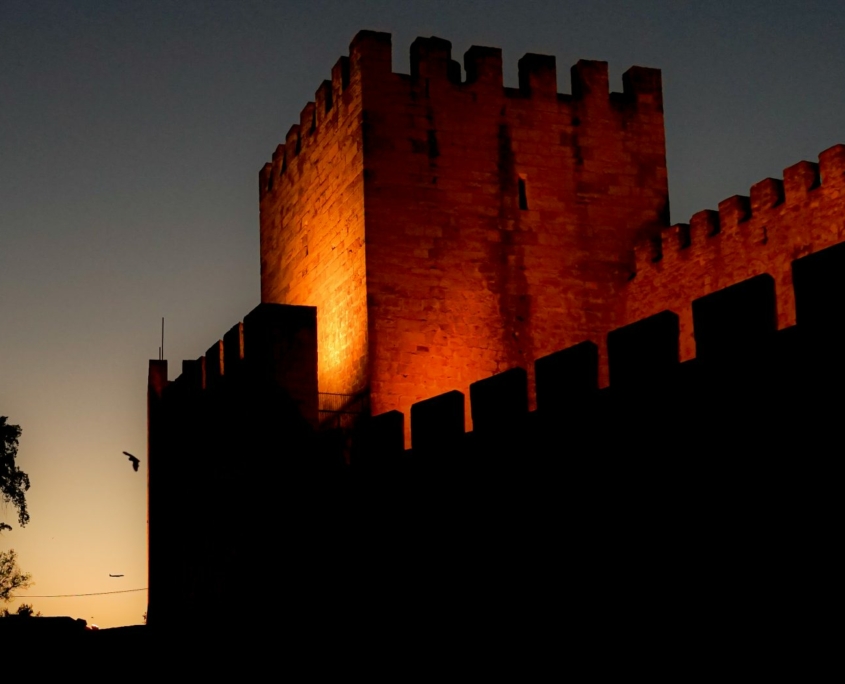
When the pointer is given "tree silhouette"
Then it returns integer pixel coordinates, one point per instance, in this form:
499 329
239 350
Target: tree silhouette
11 577
24 610
14 483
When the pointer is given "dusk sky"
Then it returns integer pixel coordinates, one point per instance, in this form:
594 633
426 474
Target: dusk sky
131 137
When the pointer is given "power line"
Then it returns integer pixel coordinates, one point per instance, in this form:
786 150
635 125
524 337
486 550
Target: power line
99 593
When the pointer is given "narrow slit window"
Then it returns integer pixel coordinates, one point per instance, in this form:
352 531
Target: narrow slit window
433 151
523 195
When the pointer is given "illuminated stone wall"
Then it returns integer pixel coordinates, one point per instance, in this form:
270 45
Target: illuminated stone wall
779 222
499 222
312 226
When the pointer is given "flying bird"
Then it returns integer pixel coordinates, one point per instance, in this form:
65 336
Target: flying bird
134 460
110 575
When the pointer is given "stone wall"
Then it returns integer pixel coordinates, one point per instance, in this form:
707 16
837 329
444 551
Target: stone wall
224 439
312 226
781 221
499 222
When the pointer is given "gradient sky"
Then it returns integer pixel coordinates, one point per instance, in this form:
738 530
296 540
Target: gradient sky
131 136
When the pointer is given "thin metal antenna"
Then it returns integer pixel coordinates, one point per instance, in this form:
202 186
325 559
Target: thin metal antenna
161 349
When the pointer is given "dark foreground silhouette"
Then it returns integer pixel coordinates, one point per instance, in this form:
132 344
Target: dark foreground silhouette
686 507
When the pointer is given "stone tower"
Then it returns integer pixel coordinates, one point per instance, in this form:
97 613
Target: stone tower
449 228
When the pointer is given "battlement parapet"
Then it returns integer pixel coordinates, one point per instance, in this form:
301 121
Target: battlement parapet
755 219
799 179
643 84
537 76
368 68
732 212
274 346
766 194
431 58
733 325
483 66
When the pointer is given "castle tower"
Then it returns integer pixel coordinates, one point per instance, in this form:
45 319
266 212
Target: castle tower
447 229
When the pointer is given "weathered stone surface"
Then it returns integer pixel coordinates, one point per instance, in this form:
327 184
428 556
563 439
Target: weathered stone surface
447 231
783 222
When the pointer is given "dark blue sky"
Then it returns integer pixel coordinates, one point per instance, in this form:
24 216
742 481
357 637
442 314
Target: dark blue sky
131 136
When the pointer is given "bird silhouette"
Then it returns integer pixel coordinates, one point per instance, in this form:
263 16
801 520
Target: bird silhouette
134 460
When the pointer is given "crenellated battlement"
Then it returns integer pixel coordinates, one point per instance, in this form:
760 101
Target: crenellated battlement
368 68
316 115
274 349
734 327
761 233
423 213
741 217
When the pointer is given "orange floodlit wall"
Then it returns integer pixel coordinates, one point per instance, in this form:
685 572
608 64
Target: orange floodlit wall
447 227
781 220
312 226
499 220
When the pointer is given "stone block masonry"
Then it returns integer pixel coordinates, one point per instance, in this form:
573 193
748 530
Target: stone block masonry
447 229
781 221
312 226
